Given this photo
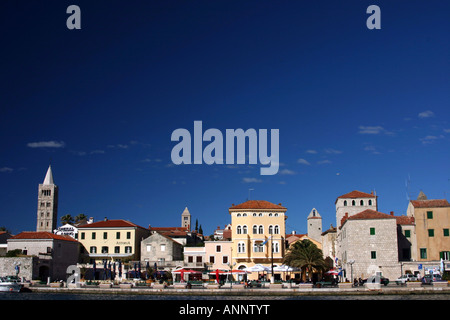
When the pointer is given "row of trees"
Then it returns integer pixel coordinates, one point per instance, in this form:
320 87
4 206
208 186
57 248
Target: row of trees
69 219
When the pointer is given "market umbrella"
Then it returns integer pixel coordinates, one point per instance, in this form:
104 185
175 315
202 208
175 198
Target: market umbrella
120 269
104 271
332 272
217 275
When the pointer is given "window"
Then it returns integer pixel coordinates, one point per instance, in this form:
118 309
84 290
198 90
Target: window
239 230
276 247
446 233
255 229
238 215
105 249
407 233
212 259
431 232
270 230
117 249
225 259
128 249
372 231
373 254
244 229
345 203
370 202
444 255
353 203
261 229
93 249
254 214
361 203
277 230
149 247
258 247
105 235
218 248
199 259
82 236
163 247
117 235
429 214
190 259
93 235
241 247
128 235
423 253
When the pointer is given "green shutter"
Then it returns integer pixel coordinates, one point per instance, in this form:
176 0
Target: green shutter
429 214
446 233
431 232
372 231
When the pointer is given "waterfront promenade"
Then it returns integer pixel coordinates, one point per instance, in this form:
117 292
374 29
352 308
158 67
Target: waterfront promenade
257 292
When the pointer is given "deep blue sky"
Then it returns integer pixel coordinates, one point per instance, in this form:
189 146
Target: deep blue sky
356 108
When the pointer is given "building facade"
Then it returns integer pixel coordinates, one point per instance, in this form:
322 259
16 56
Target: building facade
218 255
431 241
47 208
258 234
111 240
163 250
54 253
368 243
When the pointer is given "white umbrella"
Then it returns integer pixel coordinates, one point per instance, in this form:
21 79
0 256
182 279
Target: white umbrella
257 268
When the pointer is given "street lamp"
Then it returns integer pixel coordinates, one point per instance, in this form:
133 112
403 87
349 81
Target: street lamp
351 262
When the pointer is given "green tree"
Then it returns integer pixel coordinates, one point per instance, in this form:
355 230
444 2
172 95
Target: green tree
80 217
66 219
305 255
200 230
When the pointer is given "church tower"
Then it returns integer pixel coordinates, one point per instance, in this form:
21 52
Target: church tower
315 225
47 211
186 219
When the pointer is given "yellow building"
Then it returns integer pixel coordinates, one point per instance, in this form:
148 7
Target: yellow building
432 225
257 226
111 240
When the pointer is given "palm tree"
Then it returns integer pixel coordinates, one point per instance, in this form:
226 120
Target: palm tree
66 219
305 255
80 217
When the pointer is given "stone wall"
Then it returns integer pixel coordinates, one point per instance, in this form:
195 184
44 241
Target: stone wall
27 265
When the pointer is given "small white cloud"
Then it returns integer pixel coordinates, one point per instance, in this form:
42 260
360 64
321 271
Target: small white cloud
373 130
311 151
426 114
97 152
332 151
447 130
371 149
251 180
6 169
323 162
287 172
429 139
303 161
46 144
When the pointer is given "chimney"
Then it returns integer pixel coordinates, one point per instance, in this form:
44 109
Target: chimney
293 231
392 213
106 219
91 220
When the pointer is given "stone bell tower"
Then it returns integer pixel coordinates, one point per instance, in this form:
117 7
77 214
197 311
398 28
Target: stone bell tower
315 225
47 211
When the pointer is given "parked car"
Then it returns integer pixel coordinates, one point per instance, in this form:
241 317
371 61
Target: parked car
383 280
429 278
405 278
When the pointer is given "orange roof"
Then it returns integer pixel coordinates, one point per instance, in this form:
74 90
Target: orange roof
357 194
366 214
440 203
110 224
42 235
257 204
405 220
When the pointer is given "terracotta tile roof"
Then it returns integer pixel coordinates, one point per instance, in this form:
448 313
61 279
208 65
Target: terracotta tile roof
110 224
357 194
366 214
257 204
41 235
439 203
403 220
